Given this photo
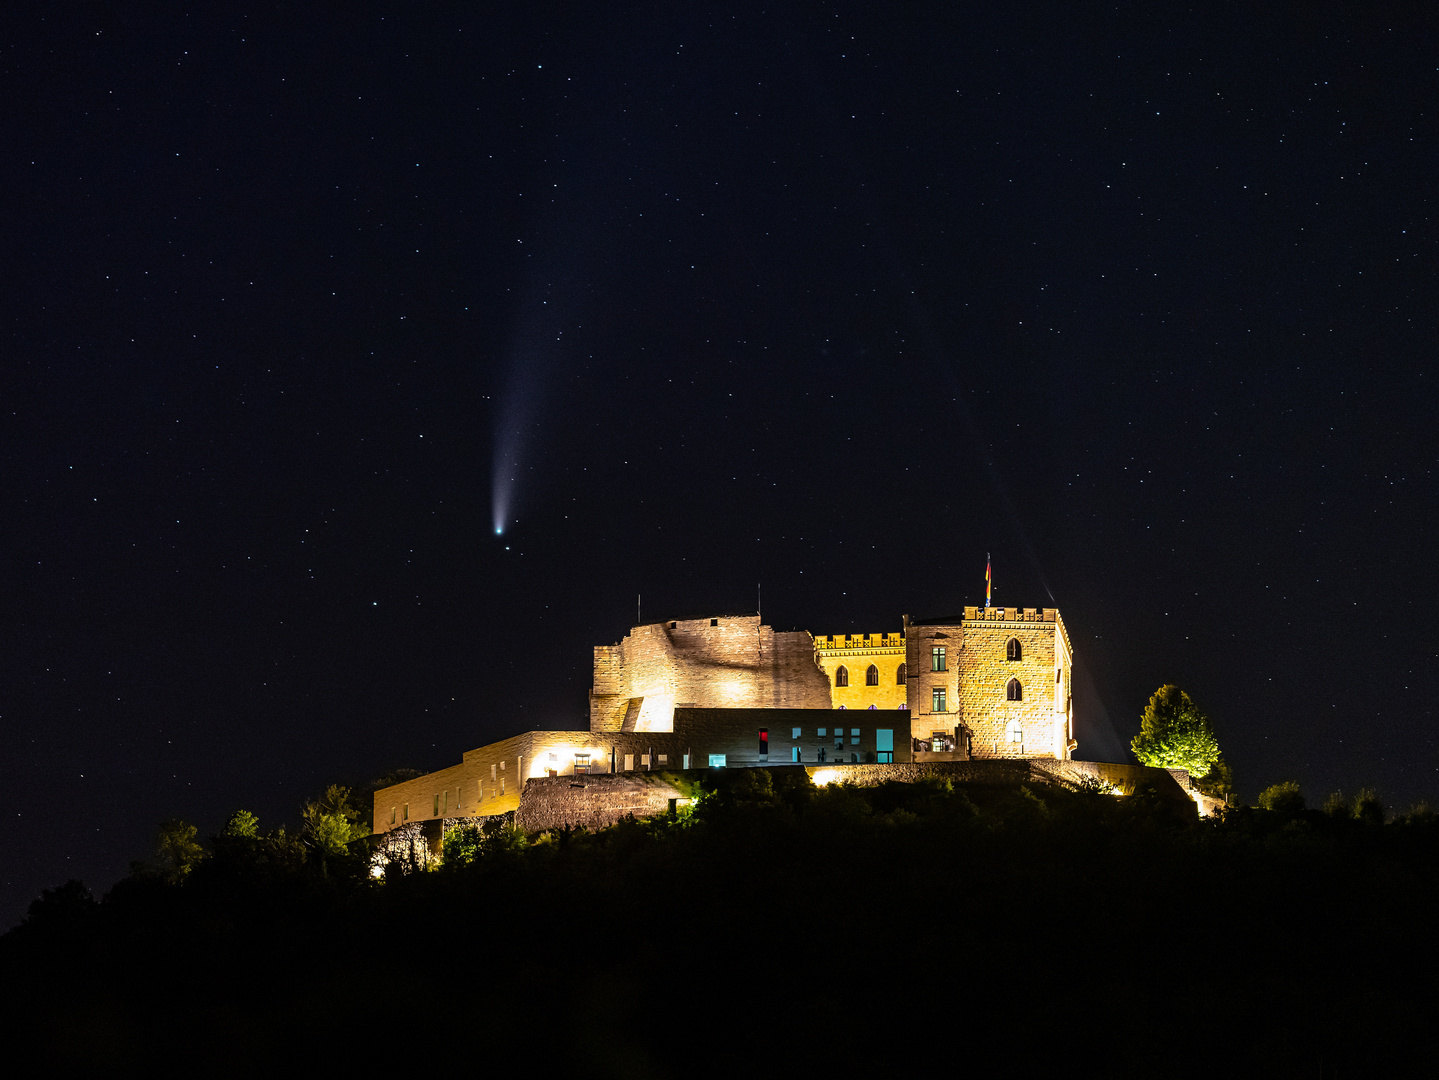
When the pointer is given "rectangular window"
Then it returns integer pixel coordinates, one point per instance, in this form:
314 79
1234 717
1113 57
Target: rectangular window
822 732
582 763
664 759
794 754
937 658
764 742
794 733
406 816
482 789
392 815
839 736
884 746
436 811
629 763
686 761
502 786
854 736
493 770
717 761
644 761
938 702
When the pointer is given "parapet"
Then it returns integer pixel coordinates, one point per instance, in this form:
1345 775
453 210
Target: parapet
858 642
1011 614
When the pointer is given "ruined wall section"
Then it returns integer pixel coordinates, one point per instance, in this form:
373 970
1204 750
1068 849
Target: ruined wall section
725 662
796 679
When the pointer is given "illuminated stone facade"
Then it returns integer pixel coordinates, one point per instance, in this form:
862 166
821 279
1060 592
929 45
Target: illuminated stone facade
864 670
730 691
996 681
723 662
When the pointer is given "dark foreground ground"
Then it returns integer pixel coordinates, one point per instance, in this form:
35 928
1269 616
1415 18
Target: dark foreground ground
908 930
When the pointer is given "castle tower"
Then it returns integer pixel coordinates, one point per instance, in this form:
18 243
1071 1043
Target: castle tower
996 680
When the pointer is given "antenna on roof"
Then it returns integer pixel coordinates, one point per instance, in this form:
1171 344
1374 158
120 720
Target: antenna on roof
638 621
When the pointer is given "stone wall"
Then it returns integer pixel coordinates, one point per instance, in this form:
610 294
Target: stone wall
1122 779
593 802
721 662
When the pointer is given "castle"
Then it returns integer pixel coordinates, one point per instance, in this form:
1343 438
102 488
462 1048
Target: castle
729 691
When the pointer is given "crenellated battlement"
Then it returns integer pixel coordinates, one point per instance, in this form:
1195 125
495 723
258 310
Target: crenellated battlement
859 642
1011 614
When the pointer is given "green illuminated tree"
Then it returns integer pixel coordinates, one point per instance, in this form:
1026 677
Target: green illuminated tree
178 849
330 822
1175 734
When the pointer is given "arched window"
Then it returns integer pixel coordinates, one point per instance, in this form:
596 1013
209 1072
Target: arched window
1014 692
1012 651
871 677
841 676
899 676
1015 732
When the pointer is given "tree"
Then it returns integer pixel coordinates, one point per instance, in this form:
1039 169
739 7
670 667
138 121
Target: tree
1283 797
178 849
241 825
1175 734
330 824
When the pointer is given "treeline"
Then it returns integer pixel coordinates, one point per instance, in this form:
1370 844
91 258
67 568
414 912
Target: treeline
906 927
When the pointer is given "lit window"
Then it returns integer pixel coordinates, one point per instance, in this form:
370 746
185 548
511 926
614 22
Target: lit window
1012 650
841 676
794 733
764 742
664 759
838 737
884 745
717 761
899 676
871 708
1015 732
938 700
854 734
794 754
1013 691
502 786
871 677
582 763
822 732
936 658
493 769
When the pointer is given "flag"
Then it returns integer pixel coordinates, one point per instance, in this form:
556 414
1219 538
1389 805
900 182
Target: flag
988 581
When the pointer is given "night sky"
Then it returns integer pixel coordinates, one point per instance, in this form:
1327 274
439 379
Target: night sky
301 304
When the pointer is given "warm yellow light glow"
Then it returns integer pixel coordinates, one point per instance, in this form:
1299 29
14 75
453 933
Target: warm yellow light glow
822 777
